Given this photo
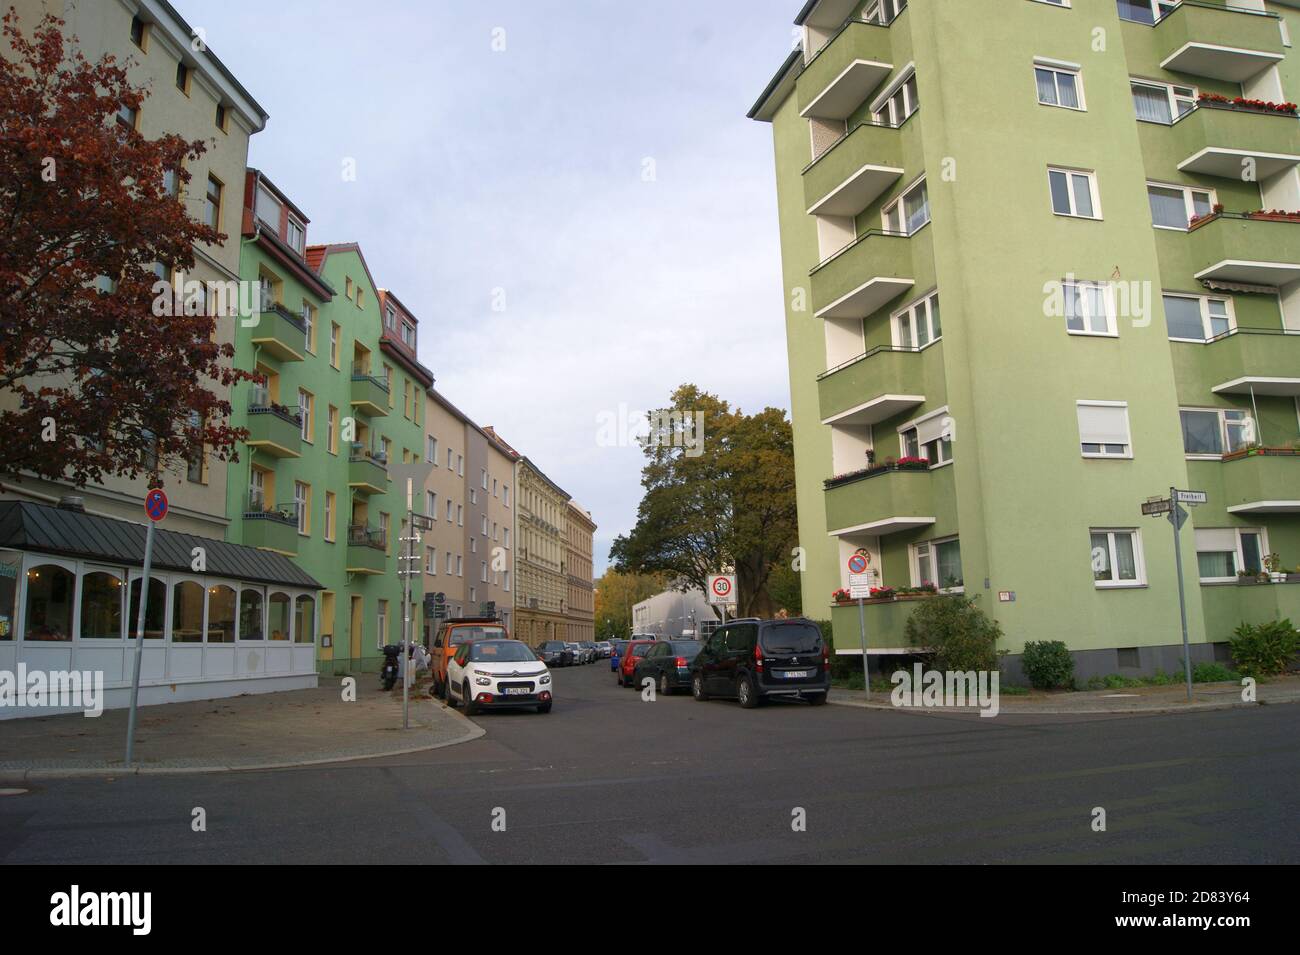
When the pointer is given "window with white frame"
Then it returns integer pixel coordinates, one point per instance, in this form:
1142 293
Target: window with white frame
451 510
938 562
928 438
1054 3
1145 11
882 12
450 563
300 505
1174 207
431 450
1104 429
907 214
1161 102
297 235
451 459
1116 557
431 504
1212 432
918 325
431 561
1089 308
1224 552
1074 192
485 525
1198 318
900 104
482 574
1059 84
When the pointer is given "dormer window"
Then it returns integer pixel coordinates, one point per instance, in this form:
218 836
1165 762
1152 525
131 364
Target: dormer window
297 236
390 318
268 210
408 335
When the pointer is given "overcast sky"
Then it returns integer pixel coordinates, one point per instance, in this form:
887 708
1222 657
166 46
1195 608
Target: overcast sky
596 178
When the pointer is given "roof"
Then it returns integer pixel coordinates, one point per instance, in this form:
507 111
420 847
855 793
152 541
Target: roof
27 525
778 88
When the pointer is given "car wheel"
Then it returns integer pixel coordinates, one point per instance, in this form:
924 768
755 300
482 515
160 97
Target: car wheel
697 687
817 699
664 688
471 708
450 697
746 693
543 707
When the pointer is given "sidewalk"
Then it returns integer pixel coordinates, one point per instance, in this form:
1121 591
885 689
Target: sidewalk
264 731
1138 701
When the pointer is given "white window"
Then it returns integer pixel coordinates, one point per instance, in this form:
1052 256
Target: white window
390 318
300 506
1055 3
460 465
1089 308
1224 552
334 345
485 525
907 214
1117 558
505 494
1074 193
938 562
304 412
494 487
473 496
297 235
460 516
1212 432
451 512
460 566
408 335
308 318
431 450
451 459
1174 207
329 516
929 437
483 571
431 561
899 104
882 12
507 538
495 527
483 472
431 504
1161 102
1145 11
506 575
1198 318
382 623
473 545
473 594
450 563
1059 85
1103 429
918 325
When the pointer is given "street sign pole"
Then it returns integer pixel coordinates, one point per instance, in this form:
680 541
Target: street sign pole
139 642
1175 519
862 638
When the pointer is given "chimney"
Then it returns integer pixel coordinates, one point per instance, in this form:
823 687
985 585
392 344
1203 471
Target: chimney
71 502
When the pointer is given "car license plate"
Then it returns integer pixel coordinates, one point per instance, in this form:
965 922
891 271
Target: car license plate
795 674
516 691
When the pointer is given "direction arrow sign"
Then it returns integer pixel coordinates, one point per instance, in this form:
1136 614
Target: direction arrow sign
1178 516
1191 497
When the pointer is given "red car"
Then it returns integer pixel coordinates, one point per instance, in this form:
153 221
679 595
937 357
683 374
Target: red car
632 654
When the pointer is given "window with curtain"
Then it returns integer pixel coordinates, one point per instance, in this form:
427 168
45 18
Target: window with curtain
1152 103
1168 207
1114 558
1183 317
1201 432
1137 11
1057 87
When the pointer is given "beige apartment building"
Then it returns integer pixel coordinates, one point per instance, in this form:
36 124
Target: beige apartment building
496 489
446 496
579 531
193 95
542 588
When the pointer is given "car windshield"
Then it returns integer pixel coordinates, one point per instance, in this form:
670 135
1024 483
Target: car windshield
501 651
792 638
461 635
641 649
685 648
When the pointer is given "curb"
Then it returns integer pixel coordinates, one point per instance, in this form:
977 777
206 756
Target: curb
1016 711
472 731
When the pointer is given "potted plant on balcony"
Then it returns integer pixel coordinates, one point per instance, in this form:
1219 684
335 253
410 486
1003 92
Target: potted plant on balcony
1250 577
1273 564
841 596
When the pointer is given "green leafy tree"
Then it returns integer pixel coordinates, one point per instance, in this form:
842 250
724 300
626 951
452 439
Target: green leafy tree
723 498
616 594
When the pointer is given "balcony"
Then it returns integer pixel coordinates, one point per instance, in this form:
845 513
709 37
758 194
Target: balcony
367 474
271 528
1227 605
845 72
863 276
369 394
1257 481
885 623
367 550
884 500
1220 42
872 387
1260 361
855 171
280 334
274 430
1249 248
1217 140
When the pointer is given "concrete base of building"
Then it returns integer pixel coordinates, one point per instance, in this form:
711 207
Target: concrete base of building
156 694
1126 661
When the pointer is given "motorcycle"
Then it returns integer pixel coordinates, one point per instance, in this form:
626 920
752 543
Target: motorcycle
388 673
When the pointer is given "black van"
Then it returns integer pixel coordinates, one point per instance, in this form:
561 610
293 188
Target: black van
754 659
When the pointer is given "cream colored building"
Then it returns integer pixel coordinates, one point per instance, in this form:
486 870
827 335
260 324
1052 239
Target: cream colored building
446 498
496 489
542 587
193 95
581 605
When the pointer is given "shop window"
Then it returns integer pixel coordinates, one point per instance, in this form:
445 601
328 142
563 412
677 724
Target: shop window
101 606
278 623
50 593
221 614
187 612
155 610
250 615
304 620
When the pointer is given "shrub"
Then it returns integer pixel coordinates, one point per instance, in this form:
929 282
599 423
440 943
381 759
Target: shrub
1264 649
959 634
1048 664
1213 673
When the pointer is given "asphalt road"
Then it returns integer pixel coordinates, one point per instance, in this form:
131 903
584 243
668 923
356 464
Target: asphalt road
607 777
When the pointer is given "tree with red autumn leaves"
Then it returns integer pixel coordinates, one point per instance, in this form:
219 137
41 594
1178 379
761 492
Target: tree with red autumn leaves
92 381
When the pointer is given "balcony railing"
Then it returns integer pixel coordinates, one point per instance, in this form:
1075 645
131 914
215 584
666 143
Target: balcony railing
259 510
361 535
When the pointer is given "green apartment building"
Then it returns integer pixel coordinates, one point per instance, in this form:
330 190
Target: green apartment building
324 426
1079 183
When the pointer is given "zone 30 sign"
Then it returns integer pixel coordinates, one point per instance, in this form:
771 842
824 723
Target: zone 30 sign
722 588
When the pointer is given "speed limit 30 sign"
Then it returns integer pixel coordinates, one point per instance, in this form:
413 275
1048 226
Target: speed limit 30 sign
722 588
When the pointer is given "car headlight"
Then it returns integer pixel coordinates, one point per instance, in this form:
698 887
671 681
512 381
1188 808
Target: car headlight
483 680
546 679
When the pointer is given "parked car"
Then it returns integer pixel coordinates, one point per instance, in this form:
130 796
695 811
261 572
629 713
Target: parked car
451 634
487 674
606 649
593 651
616 652
555 653
632 655
668 663
583 654
752 660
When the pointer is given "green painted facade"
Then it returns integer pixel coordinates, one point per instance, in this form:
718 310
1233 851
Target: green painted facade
1019 494
352 553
